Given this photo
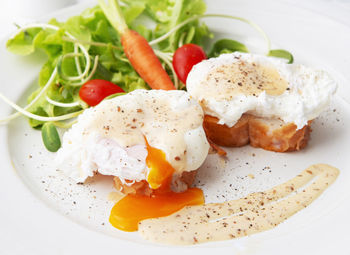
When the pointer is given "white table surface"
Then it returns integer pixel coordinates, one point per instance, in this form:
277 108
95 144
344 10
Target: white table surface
25 11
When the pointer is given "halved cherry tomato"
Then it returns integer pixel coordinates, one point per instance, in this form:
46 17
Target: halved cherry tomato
185 58
94 91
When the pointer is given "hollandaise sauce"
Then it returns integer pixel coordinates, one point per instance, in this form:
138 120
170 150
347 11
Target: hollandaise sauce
255 213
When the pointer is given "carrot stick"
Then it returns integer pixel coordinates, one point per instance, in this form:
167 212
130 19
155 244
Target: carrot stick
145 62
137 49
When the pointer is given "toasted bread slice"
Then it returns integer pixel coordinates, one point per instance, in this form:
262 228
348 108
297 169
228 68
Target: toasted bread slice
178 184
222 135
269 134
275 135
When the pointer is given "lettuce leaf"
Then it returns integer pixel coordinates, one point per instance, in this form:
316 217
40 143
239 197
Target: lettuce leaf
169 13
182 10
226 46
282 54
23 42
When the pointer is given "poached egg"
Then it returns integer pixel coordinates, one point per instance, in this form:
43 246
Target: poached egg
233 84
115 137
145 135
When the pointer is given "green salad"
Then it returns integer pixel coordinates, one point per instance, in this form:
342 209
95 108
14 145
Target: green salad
87 47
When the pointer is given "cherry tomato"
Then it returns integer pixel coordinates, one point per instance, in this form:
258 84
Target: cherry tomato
185 58
94 91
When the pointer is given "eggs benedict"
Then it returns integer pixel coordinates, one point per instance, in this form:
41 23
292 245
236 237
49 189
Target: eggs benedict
259 100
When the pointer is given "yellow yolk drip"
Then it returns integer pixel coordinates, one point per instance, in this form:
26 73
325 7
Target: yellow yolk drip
130 210
160 170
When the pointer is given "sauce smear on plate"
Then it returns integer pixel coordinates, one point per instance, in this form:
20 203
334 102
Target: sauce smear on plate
255 213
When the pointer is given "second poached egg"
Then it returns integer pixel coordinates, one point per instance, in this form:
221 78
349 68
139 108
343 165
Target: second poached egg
238 83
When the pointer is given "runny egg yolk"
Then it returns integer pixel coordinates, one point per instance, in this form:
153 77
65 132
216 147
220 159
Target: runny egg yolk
130 210
161 171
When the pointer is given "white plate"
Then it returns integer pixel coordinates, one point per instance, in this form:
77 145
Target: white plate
42 212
